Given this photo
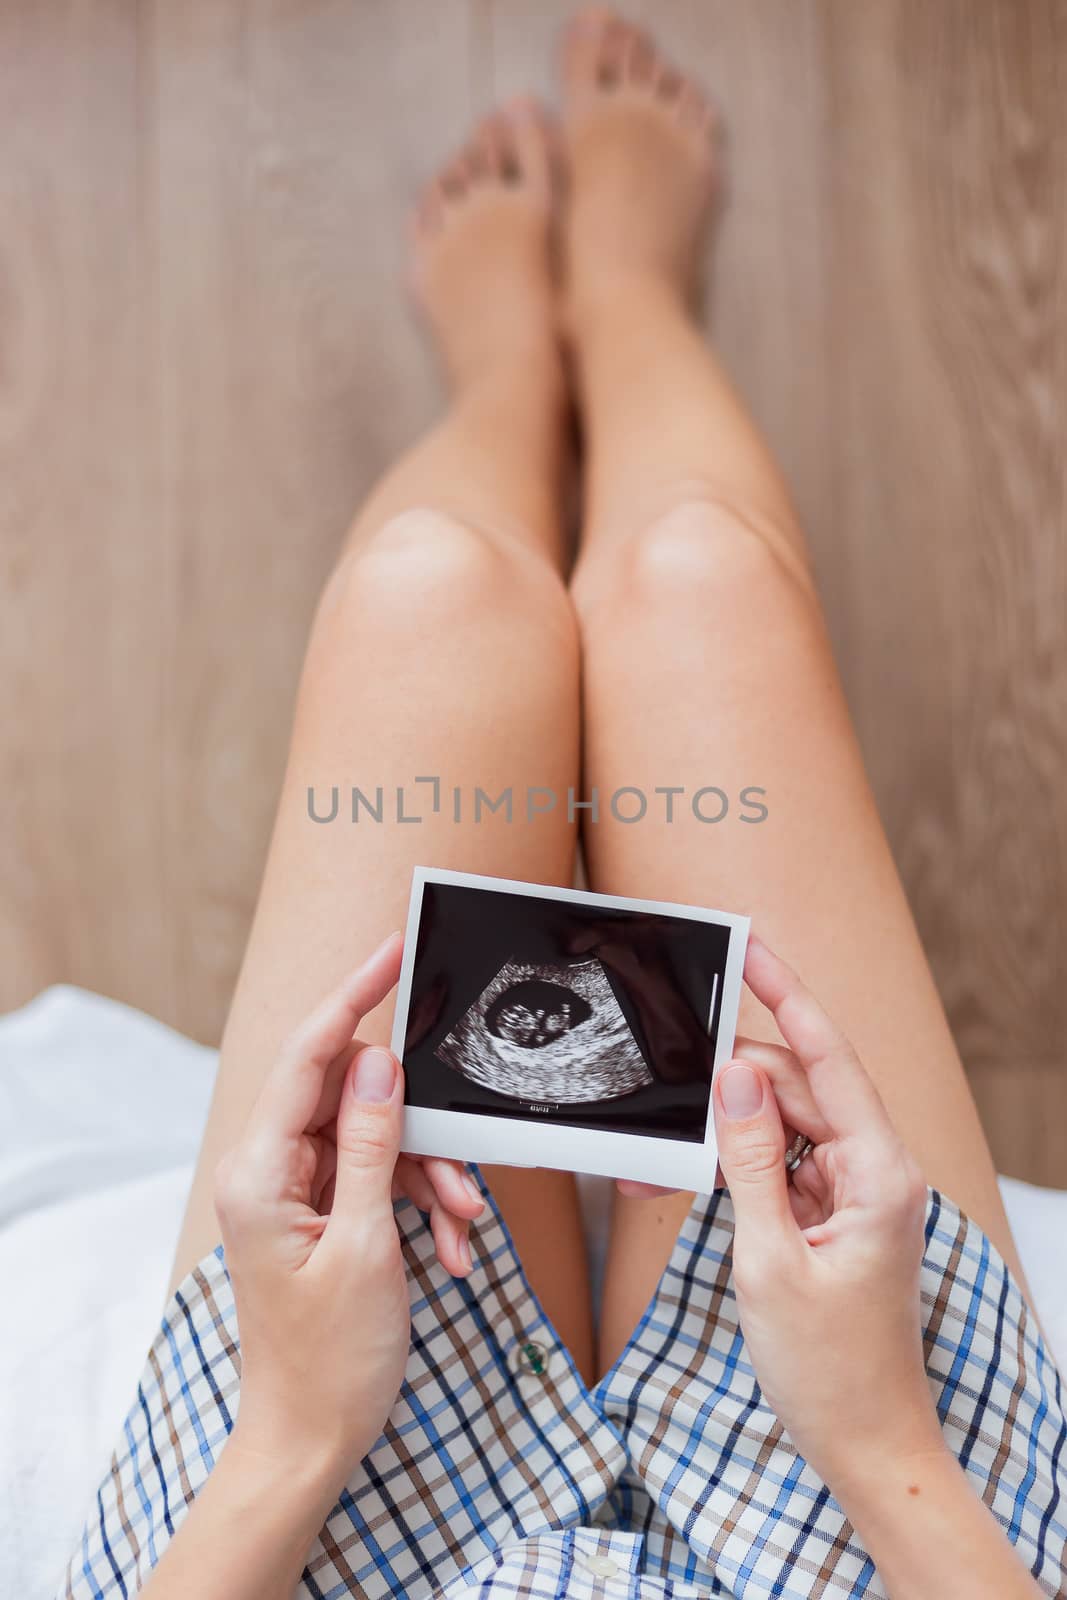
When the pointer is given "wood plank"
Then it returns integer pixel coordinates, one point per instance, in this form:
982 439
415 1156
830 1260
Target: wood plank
80 768
290 143
949 271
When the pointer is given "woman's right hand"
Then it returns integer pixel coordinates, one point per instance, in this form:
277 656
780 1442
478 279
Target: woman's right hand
305 1204
826 1268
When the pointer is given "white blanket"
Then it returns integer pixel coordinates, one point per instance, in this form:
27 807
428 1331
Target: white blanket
101 1110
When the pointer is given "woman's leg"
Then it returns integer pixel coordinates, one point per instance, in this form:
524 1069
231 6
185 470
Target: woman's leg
444 645
706 659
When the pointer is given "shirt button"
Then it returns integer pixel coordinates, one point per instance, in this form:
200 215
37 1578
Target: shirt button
602 1566
532 1358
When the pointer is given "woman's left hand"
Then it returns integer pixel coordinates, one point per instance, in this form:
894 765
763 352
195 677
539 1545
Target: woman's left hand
305 1205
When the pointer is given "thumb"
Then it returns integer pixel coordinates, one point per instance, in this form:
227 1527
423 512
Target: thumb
751 1143
369 1119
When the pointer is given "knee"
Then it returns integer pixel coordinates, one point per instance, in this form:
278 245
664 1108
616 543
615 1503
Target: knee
425 573
698 561
419 561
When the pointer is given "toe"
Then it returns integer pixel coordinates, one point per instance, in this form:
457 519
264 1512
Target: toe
639 60
615 42
490 142
528 124
582 51
454 181
693 108
429 211
509 164
669 83
477 163
697 116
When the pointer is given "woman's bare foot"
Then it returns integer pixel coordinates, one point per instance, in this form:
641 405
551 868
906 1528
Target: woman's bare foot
481 245
640 139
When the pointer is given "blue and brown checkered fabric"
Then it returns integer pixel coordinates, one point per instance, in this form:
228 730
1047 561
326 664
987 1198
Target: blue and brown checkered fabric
501 1474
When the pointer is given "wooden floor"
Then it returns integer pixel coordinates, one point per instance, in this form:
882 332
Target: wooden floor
206 357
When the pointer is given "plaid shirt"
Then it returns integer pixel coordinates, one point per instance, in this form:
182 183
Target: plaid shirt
501 1474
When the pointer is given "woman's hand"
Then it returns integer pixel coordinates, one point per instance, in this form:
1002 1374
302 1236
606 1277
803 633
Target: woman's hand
826 1271
305 1205
826 1267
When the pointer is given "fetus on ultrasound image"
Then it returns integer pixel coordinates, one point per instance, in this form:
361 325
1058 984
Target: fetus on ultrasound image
554 1034
593 1016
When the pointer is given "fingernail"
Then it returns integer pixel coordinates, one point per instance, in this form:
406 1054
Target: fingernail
374 1076
465 1251
740 1091
372 958
472 1188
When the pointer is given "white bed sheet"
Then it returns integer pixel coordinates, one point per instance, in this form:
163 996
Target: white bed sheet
101 1109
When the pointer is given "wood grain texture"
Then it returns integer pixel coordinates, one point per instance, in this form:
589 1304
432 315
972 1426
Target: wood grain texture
949 272
80 747
289 141
206 356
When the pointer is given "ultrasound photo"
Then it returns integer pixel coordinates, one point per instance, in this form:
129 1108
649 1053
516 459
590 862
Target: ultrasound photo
552 1033
555 1027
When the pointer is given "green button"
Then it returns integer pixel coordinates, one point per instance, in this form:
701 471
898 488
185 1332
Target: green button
533 1358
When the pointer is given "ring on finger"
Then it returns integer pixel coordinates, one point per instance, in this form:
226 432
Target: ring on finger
798 1151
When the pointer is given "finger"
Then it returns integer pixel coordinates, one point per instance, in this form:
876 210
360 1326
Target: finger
634 1190
842 1090
792 1091
290 1095
751 1143
324 1116
415 1177
411 1182
324 1204
808 1211
811 1195
451 1237
450 1232
792 1087
454 1187
800 1114
255 1183
325 1171
368 1143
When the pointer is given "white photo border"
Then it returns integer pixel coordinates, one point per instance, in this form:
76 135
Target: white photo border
511 1141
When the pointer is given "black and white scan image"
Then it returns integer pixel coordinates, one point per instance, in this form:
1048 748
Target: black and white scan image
573 1010
552 1033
